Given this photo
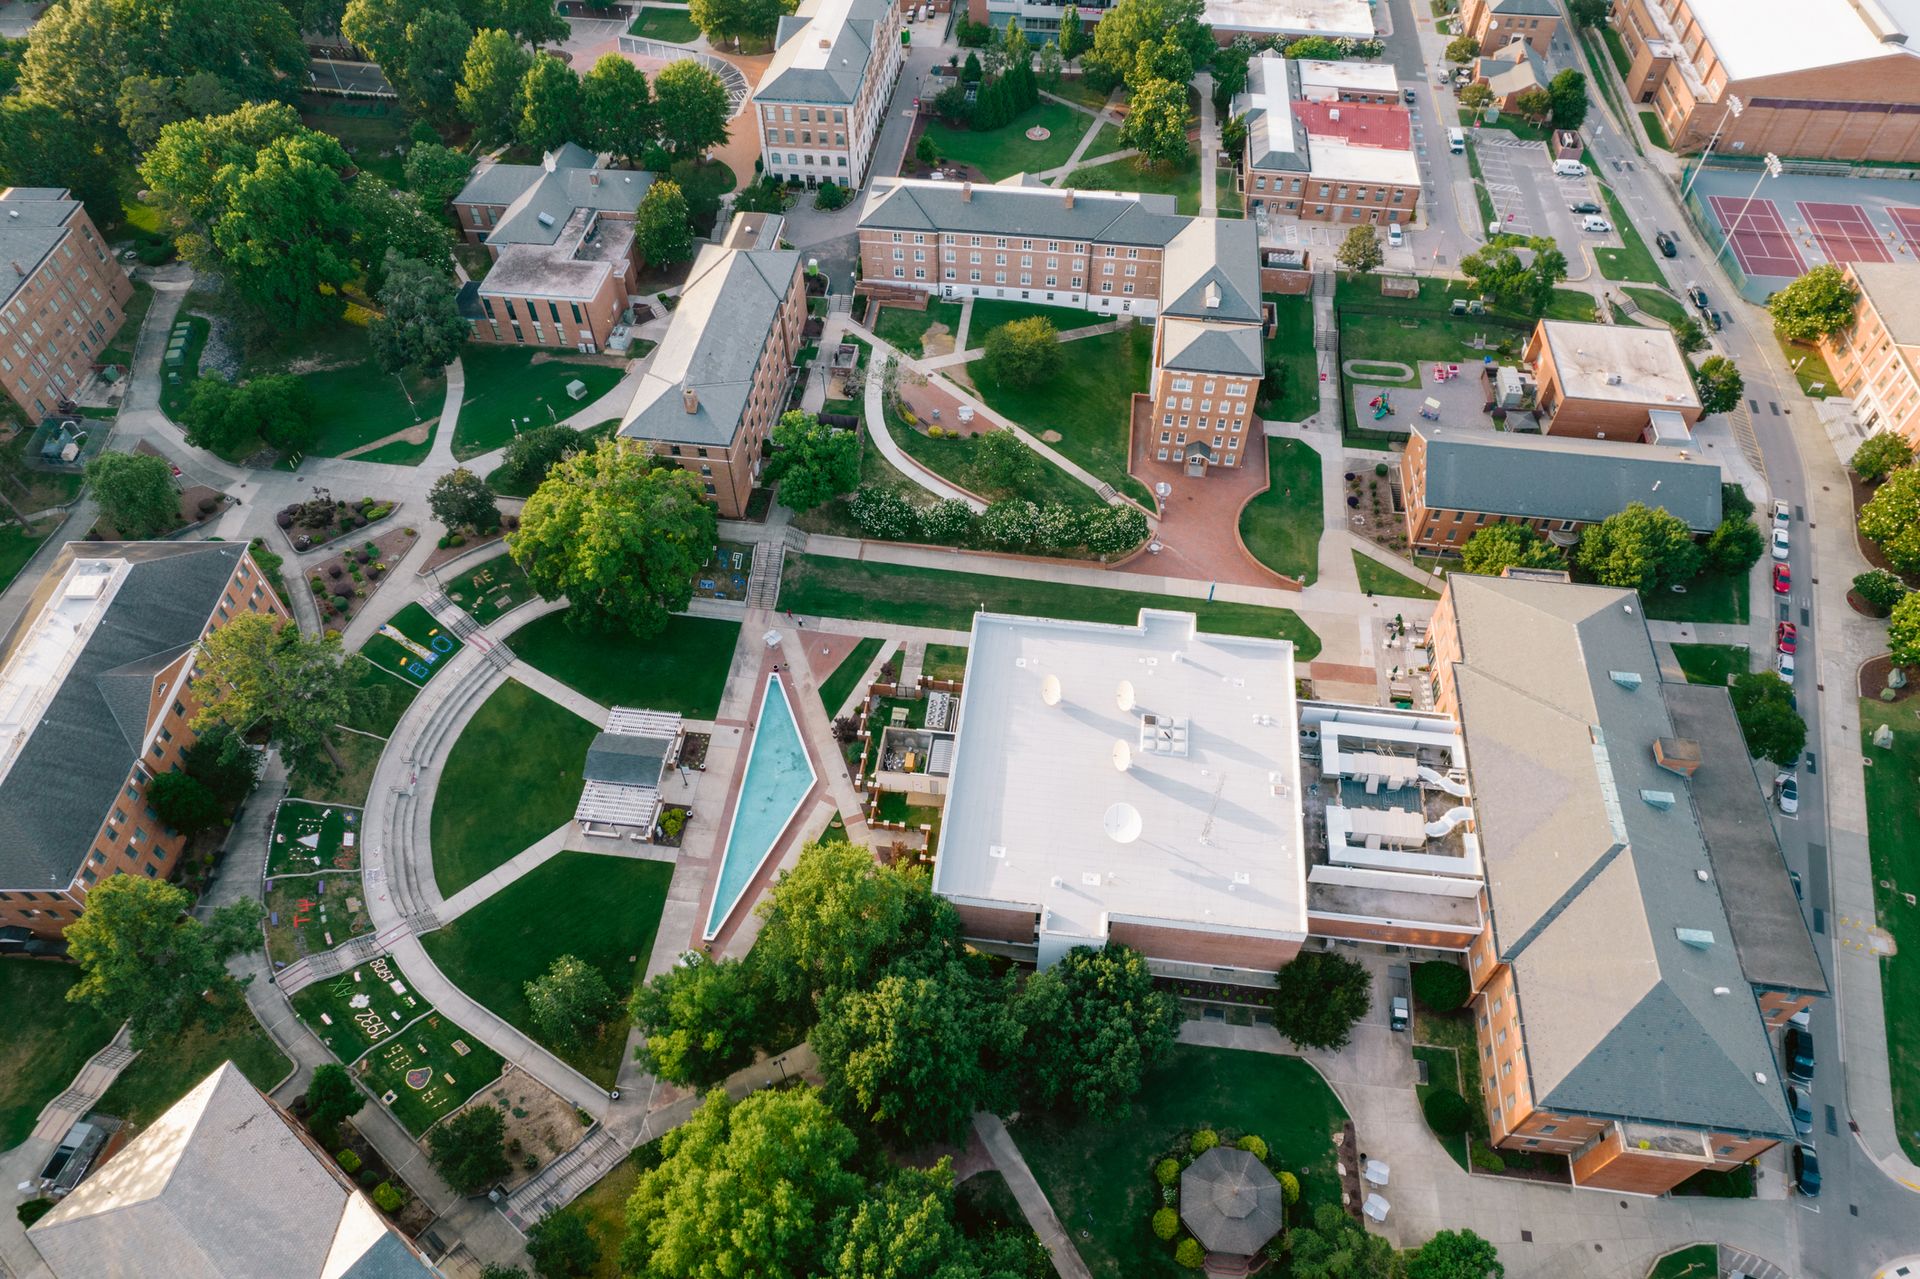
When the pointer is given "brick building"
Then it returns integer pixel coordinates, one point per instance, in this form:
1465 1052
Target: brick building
1610 382
1460 481
1822 79
1207 351
62 301
1513 67
821 103
720 377
1316 153
1616 1017
561 237
94 703
1494 22
1875 361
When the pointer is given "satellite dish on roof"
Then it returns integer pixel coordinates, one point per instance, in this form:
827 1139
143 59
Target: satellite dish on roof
1124 694
1122 823
1122 756
1050 690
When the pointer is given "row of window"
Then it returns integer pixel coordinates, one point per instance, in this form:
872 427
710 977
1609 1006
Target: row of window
1236 407
806 137
805 115
1219 441
1003 242
1000 277
793 158
1360 194
1180 455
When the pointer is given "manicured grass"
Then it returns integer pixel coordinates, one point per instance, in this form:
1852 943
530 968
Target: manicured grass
673 26
512 779
991 313
1227 200
120 350
920 597
326 825
1292 342
1105 142
1181 181
1658 303
944 661
1377 579
1281 527
46 1042
1088 403
227 1031
1701 1261
907 329
490 588
958 458
603 910
1003 152
1632 260
839 686
684 668
1809 368
1443 1072
392 696
1617 50
1893 841
604 1206
1097 1176
1075 89
354 402
1656 132
350 781
18 543
1713 663
309 914
515 386
1710 597
433 646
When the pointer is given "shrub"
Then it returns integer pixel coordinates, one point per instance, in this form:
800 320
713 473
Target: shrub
348 1160
1486 1159
1190 1254
1289 1189
368 1178
1203 1141
1166 1224
1447 1112
1167 1171
207 504
387 1197
1879 590
456 539
32 1210
673 821
1440 985
1255 1146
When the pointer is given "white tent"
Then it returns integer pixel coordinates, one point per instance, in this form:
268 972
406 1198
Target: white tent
1375 1208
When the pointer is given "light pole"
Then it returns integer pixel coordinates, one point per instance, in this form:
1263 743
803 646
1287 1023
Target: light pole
1736 108
1772 170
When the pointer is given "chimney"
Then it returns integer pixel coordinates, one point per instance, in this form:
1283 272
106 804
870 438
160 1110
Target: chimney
593 178
548 161
690 398
18 269
966 192
1069 197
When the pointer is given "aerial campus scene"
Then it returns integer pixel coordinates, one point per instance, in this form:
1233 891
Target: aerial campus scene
894 640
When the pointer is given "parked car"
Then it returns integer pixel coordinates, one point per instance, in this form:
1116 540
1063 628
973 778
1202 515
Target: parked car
1806 1171
1592 223
1569 169
1406 95
1787 791
1782 580
1583 206
1786 637
1797 1048
1782 513
1783 663
1395 236
1667 244
1696 295
1782 545
1801 1109
1713 321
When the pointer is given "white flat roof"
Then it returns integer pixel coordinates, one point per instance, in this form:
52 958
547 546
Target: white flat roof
1370 77
1771 37
53 640
1614 362
1332 158
1352 18
1036 787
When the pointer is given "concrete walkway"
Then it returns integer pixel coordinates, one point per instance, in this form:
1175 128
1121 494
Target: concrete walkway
877 432
1209 146
1027 1193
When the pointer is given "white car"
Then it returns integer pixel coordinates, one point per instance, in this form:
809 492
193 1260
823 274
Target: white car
1591 223
1782 514
1787 791
1783 662
1781 543
1395 236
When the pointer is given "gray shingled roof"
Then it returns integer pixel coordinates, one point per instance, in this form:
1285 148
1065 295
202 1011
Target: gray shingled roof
626 759
1527 8
1564 478
71 769
503 183
1231 1202
1513 68
35 221
1201 347
1221 253
220 1187
1588 880
801 71
712 345
1117 218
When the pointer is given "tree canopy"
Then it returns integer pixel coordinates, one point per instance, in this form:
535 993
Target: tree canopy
1903 630
1763 703
469 1150
1095 1026
550 104
259 669
617 107
701 1019
1817 304
1719 384
721 20
1455 1254
1360 251
570 1001
419 325
1156 123
1643 548
812 463
662 226
184 803
1879 589
1498 271
1880 455
1128 26
1318 997
460 499
489 87
1568 94
691 106
1335 1246
1024 352
1498 547
135 492
1892 519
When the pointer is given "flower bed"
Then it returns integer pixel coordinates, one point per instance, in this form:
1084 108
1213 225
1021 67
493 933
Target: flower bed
342 582
315 525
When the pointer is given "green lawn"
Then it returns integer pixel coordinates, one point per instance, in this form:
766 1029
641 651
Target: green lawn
1001 153
673 26
431 646
1105 142
491 588
512 779
1292 342
361 1007
1893 840
46 1042
161 1076
347 784
1377 579
604 1206
1088 404
918 597
1701 1261
991 313
958 459
603 910
1227 198
1809 367
839 686
906 329
1617 50
516 386
1656 132
120 350
460 1063
392 697
1097 1175
324 827
1075 89
1632 260
354 402
1443 1072
310 914
1181 181
18 542
1281 527
1658 303
1713 663
944 661
1710 597
684 668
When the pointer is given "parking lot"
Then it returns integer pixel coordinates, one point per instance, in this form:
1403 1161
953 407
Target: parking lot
1529 198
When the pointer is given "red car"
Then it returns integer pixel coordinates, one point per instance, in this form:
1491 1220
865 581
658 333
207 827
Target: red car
1785 636
1782 580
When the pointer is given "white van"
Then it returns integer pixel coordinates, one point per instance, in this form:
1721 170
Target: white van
1569 169
1457 142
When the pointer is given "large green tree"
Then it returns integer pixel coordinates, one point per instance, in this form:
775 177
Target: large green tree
184 804
1319 997
691 106
489 88
550 104
811 462
1817 304
1023 352
662 226
1360 251
1719 384
436 51
1501 273
1502 546
1568 91
436 173
1880 455
331 1097
260 670
751 1188
1643 548
189 163
904 1229
701 1019
1335 1246
143 959
1455 1254
135 492
723 20
419 325
460 499
41 147
618 537
1131 24
469 1150
1763 703
570 1001
561 1246
617 106
1156 123
1095 1026
1892 519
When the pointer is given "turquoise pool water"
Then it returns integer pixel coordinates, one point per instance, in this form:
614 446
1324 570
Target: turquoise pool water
776 782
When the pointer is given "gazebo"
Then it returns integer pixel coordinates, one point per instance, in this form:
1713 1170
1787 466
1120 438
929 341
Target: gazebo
1230 1202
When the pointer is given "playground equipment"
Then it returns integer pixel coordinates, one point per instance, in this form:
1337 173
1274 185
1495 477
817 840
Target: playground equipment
1381 406
1430 410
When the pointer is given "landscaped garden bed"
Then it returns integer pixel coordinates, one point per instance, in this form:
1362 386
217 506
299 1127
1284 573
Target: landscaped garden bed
414 1213
490 589
537 1124
427 1071
311 838
317 524
413 645
361 1007
311 914
343 581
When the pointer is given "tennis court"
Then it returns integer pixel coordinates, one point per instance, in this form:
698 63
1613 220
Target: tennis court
1758 235
1907 220
1844 233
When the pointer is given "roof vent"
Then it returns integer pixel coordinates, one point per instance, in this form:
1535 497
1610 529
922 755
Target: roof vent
1698 938
1760 1077
1613 379
1722 990
1628 680
1702 876
545 218
1660 799
1050 690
